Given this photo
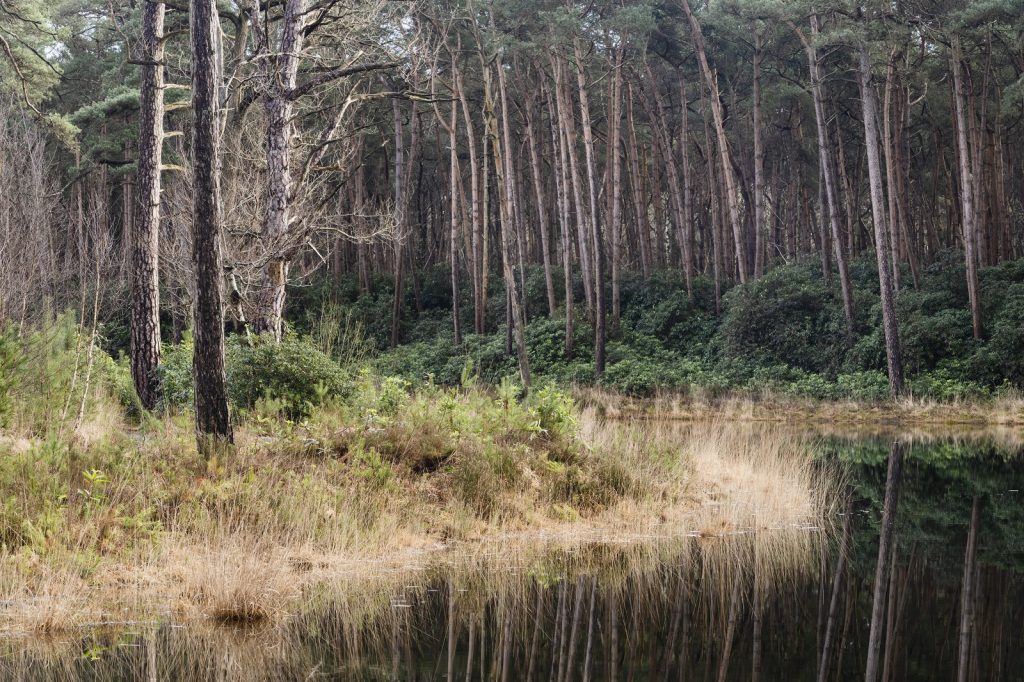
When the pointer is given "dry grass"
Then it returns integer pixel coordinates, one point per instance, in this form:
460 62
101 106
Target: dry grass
1005 411
300 517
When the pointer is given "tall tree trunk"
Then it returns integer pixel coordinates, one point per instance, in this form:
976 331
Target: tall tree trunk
967 186
145 321
567 126
637 188
967 594
615 156
886 549
213 423
837 581
400 222
828 174
532 135
501 146
595 231
869 103
759 226
269 316
479 258
728 176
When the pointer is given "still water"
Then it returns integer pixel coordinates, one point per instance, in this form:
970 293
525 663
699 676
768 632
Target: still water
729 607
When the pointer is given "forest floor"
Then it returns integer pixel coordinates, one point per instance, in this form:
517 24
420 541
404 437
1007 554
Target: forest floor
120 523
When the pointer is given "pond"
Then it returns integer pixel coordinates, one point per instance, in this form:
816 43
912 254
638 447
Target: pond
738 605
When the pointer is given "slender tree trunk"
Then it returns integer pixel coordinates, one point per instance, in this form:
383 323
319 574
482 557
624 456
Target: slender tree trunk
967 594
145 325
213 424
637 188
759 226
967 185
615 156
837 581
886 549
869 103
600 334
502 167
828 174
728 176
400 222
542 211
479 250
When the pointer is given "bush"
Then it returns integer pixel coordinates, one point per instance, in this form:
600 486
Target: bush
293 373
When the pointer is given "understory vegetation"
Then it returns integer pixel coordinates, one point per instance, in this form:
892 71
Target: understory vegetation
783 334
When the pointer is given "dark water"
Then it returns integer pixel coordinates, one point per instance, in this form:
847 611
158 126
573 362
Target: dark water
654 611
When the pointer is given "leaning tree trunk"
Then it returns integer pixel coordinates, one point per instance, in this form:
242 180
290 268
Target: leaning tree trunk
269 315
145 320
213 424
869 103
728 173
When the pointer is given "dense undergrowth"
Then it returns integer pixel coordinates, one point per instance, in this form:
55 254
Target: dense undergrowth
782 334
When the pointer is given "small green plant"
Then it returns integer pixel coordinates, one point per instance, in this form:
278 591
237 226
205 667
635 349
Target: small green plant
93 495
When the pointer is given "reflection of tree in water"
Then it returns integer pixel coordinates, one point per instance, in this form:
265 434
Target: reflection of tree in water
675 609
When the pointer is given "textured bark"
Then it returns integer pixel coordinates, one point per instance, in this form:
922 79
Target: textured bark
145 320
967 187
213 424
869 103
269 314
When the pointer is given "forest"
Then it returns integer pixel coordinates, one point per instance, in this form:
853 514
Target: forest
293 288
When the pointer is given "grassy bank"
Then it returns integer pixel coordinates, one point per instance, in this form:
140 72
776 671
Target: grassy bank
111 519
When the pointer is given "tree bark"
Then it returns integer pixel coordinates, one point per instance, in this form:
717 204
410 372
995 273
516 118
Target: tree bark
869 103
728 176
967 186
213 423
501 148
269 316
893 478
967 594
759 227
600 334
145 320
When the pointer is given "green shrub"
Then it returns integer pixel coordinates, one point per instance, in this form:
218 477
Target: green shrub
293 373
